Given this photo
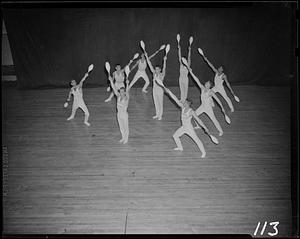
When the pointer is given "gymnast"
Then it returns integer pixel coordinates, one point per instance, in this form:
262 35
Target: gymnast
141 72
219 79
78 102
187 113
183 77
158 93
122 95
118 76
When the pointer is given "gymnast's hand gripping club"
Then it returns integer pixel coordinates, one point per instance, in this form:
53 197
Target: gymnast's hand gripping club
191 40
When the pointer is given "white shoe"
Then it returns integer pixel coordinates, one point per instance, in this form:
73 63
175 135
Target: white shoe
145 91
203 155
70 118
154 117
178 149
159 118
107 100
87 123
121 140
220 133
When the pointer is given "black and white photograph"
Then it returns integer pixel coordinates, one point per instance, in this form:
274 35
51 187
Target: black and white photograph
150 118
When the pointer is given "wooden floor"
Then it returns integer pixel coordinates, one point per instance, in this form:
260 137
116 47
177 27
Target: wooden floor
65 177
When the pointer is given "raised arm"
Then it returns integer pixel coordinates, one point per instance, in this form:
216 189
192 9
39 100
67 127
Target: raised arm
196 79
217 99
177 101
113 86
123 69
83 79
199 121
154 54
189 56
134 66
164 67
149 63
179 54
211 65
227 83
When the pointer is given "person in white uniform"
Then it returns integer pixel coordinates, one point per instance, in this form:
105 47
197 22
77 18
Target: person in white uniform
219 79
122 95
78 102
158 92
187 113
118 76
183 75
207 104
141 72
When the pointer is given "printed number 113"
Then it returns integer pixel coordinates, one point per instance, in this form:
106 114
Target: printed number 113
274 224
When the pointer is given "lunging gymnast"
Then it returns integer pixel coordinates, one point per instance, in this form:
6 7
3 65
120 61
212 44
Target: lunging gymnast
141 72
187 113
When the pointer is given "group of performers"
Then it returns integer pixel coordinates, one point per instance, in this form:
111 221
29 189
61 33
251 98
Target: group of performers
120 86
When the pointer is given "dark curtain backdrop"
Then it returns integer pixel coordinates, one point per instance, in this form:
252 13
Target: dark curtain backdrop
51 46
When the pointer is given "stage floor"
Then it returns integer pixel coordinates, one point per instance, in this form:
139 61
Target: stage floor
65 177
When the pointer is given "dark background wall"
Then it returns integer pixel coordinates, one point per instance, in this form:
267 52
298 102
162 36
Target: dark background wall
50 46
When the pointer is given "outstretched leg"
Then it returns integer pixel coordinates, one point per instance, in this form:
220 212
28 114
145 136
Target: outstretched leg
210 113
176 136
196 139
135 78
